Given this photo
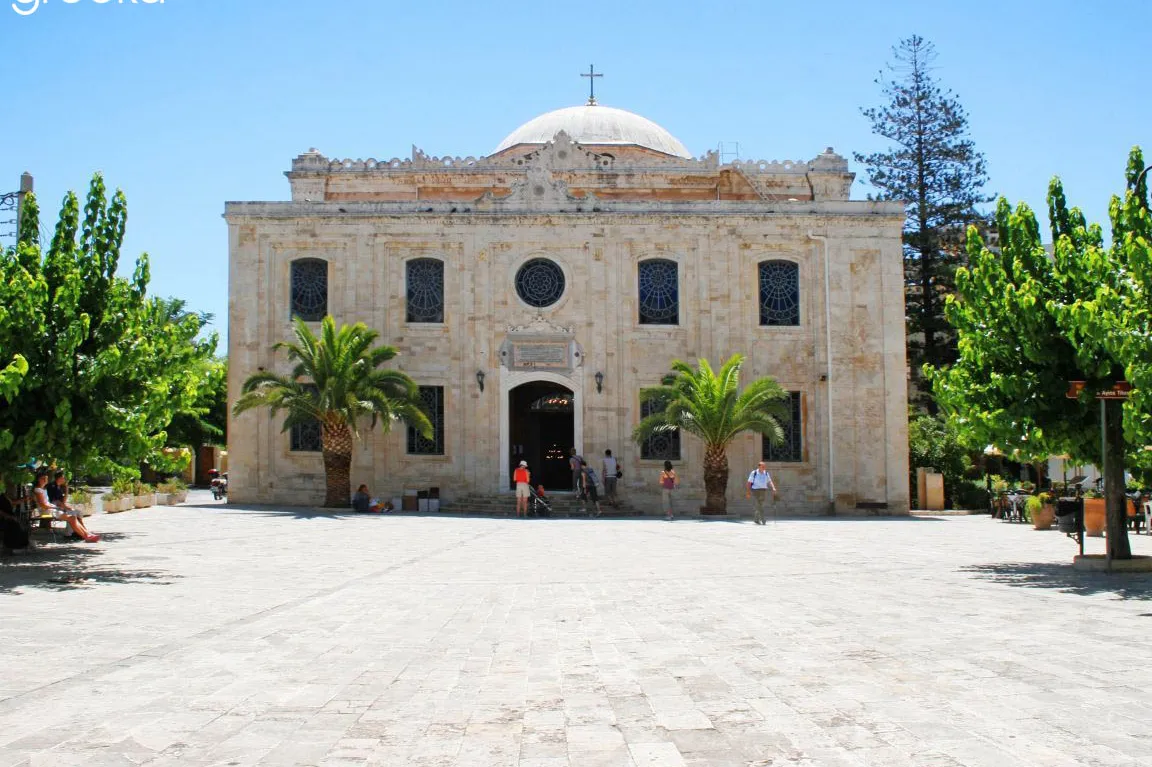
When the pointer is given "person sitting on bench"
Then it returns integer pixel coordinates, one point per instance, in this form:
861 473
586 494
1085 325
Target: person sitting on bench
60 511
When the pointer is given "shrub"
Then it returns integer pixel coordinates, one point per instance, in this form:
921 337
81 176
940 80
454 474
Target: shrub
172 486
970 495
933 442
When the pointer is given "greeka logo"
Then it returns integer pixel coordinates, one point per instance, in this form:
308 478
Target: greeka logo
29 7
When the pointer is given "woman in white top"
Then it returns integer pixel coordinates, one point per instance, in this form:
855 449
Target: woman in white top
610 470
63 511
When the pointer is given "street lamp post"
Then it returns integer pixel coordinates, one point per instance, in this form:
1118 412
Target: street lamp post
1140 177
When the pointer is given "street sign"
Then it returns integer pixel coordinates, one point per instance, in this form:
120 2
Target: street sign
1119 391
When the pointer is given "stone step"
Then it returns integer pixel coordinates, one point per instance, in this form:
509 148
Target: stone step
563 505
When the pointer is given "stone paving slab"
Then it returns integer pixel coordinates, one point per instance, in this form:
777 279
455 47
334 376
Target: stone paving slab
210 635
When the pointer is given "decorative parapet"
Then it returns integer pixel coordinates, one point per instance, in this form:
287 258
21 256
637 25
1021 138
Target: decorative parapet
826 176
773 167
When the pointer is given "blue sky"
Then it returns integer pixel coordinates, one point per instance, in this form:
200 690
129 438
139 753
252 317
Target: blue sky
190 103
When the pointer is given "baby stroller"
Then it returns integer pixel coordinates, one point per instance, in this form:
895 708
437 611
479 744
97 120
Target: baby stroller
538 504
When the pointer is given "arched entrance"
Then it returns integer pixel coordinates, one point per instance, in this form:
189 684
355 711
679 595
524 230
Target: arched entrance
541 429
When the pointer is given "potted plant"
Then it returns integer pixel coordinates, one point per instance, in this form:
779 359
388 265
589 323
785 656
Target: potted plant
144 495
1094 514
113 502
81 500
1041 511
120 498
174 490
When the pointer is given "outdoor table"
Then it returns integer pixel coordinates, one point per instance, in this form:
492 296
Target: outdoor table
1019 503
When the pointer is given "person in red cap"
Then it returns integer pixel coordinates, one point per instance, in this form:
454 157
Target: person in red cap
523 479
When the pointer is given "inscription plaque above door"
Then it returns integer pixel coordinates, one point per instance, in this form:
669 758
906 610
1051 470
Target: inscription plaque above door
541 345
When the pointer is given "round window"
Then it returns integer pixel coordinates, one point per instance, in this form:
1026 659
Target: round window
540 282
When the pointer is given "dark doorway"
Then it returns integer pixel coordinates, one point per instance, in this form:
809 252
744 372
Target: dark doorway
542 431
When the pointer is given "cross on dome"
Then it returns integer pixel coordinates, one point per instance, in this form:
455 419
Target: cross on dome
591 75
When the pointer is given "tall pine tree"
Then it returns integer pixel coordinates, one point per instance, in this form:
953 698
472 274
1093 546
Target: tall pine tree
934 168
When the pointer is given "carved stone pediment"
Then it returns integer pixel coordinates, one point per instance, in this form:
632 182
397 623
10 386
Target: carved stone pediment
562 153
538 189
541 326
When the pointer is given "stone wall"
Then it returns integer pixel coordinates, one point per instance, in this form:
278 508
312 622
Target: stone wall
717 252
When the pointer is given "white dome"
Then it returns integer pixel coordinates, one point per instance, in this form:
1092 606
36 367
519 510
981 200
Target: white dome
594 124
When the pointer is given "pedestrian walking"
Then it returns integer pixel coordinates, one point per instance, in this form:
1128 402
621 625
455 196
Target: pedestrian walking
523 479
575 460
612 473
668 482
759 481
588 490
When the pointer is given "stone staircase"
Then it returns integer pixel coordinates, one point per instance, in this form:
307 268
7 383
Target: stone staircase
563 505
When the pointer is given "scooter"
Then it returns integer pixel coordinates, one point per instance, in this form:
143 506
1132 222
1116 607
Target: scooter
219 484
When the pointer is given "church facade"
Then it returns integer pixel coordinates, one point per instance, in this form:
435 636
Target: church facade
534 291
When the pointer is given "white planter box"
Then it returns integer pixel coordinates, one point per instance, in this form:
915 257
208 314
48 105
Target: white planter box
144 501
178 498
161 499
113 506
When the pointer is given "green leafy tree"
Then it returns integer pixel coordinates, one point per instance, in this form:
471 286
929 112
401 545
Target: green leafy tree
708 404
336 380
934 168
206 421
1029 322
108 366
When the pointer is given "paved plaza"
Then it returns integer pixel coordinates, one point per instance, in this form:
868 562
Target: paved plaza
220 636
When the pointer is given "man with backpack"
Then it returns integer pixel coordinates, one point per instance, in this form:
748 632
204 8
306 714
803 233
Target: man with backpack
588 486
758 483
575 461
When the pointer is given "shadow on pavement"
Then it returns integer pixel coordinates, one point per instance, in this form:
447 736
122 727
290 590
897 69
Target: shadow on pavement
65 567
1061 577
301 512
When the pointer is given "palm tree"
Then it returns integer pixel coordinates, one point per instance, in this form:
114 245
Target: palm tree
336 381
707 404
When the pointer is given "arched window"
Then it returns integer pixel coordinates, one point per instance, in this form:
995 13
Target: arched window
779 293
663 446
433 399
306 436
791 450
659 288
425 280
310 289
